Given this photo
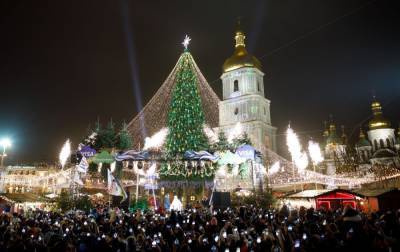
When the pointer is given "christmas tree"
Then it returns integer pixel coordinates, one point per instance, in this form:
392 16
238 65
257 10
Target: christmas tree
97 142
108 135
222 144
241 140
185 116
154 115
124 139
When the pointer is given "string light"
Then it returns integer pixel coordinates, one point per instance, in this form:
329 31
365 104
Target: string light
61 179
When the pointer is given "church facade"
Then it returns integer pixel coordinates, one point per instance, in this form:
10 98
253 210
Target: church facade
243 97
380 147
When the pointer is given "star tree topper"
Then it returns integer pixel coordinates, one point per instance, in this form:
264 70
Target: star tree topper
186 42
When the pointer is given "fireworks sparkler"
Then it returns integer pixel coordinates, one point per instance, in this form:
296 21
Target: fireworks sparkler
315 152
156 140
293 144
65 153
302 162
299 158
235 132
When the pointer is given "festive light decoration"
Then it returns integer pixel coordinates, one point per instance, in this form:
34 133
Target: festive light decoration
235 132
315 152
179 169
282 178
154 115
156 140
65 153
186 42
186 116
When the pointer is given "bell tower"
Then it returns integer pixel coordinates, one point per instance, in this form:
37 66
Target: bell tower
244 97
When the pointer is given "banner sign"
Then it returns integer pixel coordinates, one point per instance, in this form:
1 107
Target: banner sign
87 152
149 186
246 151
132 155
199 155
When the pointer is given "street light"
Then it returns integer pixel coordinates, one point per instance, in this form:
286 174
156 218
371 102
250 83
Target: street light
5 143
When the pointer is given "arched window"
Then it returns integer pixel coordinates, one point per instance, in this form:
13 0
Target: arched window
381 143
235 86
389 144
236 111
258 86
376 144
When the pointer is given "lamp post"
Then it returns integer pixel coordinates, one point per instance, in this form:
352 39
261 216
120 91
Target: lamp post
5 143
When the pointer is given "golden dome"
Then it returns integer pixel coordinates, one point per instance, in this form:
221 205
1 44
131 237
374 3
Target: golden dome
240 58
378 121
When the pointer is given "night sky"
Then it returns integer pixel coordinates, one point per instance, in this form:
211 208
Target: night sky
63 64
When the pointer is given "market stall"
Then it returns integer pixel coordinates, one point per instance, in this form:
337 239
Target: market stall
323 198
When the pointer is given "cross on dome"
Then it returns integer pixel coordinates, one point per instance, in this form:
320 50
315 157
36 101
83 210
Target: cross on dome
186 42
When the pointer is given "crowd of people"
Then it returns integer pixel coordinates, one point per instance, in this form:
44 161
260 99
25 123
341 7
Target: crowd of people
246 228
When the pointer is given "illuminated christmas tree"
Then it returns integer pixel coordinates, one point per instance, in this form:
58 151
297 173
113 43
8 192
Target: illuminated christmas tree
154 115
185 116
